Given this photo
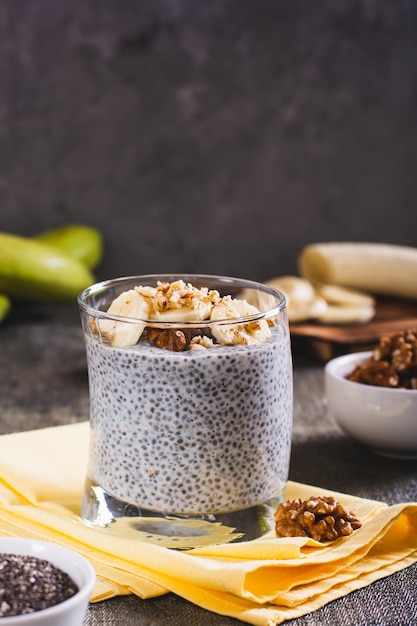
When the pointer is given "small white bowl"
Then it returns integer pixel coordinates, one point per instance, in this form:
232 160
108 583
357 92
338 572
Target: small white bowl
383 418
70 612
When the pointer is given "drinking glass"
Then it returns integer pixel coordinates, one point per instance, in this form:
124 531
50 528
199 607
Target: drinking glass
189 447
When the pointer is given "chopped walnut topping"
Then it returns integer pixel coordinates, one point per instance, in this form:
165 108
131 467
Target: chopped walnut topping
92 324
177 295
322 518
201 342
393 362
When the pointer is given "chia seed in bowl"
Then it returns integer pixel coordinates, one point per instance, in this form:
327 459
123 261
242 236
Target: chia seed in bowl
29 583
43 583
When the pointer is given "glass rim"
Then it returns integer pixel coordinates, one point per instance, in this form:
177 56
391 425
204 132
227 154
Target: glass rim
102 286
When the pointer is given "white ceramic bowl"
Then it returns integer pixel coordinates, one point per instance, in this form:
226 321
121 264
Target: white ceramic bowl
70 612
385 419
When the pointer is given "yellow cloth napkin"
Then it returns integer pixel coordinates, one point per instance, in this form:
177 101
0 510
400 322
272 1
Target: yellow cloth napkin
263 582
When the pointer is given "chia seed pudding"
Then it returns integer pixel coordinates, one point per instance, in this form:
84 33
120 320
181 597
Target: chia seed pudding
191 432
187 421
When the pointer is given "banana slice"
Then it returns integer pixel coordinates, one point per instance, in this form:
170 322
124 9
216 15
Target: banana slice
344 296
326 303
125 334
294 288
335 314
311 310
303 303
241 333
184 314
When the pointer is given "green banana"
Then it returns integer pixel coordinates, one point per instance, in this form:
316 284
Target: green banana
5 306
34 270
81 242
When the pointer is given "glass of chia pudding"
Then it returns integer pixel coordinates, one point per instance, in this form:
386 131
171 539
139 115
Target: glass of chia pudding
190 382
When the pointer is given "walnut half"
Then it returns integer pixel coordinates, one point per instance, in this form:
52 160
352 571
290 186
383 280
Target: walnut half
167 339
322 518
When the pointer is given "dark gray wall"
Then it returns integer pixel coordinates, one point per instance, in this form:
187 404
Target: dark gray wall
210 135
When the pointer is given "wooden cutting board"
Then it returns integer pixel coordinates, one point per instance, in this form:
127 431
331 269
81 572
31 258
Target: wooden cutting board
325 341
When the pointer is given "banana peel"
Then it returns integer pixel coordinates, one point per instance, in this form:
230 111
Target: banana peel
81 242
35 270
5 306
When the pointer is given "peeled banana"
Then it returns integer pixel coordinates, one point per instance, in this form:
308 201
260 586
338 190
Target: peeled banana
378 268
34 270
78 241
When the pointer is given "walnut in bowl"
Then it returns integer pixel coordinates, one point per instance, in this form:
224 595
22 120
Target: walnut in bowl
392 363
382 416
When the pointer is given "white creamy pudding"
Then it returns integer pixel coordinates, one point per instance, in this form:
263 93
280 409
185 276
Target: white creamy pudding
193 432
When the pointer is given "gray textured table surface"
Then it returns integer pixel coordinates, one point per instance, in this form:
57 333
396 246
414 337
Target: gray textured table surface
43 382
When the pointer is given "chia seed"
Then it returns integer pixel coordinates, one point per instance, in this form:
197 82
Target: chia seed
192 432
29 584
